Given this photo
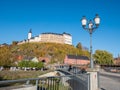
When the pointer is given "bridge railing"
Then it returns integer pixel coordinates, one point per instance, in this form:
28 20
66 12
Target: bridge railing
44 83
88 80
77 81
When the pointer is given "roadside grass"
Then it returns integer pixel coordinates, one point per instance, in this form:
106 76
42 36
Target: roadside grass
12 75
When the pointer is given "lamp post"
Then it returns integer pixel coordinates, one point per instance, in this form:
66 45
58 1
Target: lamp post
90 27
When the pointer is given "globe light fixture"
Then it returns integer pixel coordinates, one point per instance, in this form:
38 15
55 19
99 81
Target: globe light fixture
90 26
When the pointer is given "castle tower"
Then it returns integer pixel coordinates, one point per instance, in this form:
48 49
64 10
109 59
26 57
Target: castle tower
30 34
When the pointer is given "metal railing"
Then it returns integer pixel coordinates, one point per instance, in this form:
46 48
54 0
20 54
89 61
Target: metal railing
64 82
82 79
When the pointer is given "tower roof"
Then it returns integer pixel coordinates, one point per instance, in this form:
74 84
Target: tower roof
30 31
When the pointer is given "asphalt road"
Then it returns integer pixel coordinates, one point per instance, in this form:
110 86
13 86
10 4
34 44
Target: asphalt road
109 81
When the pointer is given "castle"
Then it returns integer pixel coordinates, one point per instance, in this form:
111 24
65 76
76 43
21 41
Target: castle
63 38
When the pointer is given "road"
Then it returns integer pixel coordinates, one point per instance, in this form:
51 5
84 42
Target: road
109 81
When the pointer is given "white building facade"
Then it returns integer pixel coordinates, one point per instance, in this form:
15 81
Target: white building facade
64 38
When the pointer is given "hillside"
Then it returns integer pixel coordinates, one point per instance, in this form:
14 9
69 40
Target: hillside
55 52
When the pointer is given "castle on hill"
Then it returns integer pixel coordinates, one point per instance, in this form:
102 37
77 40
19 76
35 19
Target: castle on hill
63 38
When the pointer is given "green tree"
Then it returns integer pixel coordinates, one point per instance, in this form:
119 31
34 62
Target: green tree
31 64
103 57
79 46
39 65
23 63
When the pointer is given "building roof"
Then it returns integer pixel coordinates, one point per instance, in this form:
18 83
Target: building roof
66 33
52 33
30 31
57 33
118 58
32 37
77 57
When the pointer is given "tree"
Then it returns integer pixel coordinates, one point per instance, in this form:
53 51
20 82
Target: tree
6 56
31 64
39 65
9 54
103 57
23 63
79 46
14 42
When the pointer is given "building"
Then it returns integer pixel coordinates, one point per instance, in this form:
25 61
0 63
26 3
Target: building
63 38
76 60
4 44
117 61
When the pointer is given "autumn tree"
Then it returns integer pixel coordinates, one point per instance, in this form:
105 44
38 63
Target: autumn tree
103 57
14 42
54 51
5 56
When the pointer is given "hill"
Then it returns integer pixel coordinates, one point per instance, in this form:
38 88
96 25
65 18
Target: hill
55 52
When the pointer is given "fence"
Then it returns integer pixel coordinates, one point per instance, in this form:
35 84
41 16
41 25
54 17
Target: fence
82 79
67 82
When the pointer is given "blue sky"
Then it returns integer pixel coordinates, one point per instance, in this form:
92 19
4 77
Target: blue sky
58 16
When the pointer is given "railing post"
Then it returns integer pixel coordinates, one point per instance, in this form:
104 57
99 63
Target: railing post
37 85
88 77
98 74
93 79
27 82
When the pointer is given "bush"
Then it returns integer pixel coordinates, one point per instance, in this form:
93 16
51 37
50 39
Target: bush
31 64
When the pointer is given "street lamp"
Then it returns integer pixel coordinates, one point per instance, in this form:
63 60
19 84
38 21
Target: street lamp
90 28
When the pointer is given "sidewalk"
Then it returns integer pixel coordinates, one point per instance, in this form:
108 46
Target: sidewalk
109 73
109 81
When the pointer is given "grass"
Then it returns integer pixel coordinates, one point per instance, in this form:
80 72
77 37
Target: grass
12 75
